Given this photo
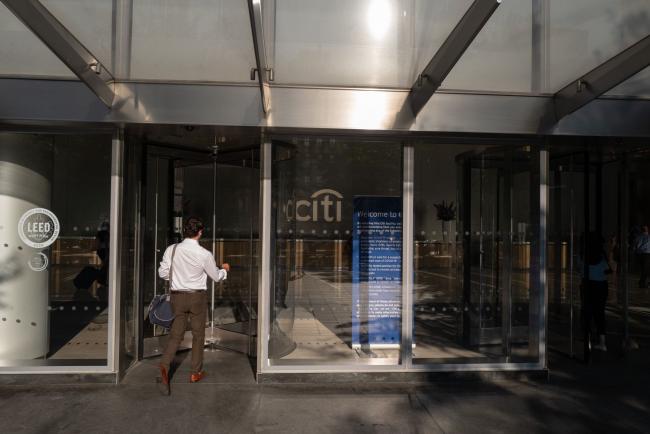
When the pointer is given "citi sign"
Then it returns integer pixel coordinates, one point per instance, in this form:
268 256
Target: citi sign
324 205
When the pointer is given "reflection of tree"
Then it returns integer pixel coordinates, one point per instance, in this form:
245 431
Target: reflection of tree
633 27
9 270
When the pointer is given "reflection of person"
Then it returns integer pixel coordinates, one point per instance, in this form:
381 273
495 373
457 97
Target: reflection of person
88 275
188 287
642 250
594 290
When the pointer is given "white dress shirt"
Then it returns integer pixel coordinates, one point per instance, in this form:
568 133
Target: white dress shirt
192 265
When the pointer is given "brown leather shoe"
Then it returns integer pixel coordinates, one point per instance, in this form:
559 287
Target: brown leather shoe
195 378
163 381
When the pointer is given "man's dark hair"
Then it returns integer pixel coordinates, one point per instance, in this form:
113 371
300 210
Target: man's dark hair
192 227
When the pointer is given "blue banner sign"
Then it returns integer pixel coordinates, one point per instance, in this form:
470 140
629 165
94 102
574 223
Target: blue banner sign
376 272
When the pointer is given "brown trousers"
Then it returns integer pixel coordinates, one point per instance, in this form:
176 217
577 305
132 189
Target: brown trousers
193 305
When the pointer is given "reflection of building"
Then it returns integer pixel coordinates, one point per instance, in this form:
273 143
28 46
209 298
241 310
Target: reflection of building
345 102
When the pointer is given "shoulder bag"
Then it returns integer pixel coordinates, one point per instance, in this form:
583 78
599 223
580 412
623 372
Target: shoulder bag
160 308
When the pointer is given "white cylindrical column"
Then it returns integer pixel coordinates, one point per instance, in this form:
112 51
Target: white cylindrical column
25 162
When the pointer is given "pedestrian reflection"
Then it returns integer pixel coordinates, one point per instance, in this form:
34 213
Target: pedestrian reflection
91 274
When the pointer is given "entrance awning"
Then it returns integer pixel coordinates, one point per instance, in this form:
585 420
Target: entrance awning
434 65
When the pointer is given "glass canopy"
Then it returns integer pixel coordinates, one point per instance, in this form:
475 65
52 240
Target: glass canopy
637 86
22 53
364 43
90 21
377 43
192 40
586 33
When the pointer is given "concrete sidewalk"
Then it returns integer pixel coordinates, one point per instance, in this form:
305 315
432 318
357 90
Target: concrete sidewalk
610 396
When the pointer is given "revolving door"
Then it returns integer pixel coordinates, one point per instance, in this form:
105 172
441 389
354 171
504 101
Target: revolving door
221 188
499 236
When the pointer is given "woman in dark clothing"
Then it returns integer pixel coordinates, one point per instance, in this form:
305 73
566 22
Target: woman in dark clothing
594 289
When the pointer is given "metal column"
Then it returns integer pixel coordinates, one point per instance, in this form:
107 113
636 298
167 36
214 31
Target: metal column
407 255
542 295
538 304
114 266
264 258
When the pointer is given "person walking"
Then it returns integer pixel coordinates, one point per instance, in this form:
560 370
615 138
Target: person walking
642 250
192 265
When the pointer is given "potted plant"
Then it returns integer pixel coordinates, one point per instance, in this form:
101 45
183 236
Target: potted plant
446 212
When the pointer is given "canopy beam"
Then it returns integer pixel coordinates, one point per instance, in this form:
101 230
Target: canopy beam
65 46
450 52
602 79
263 71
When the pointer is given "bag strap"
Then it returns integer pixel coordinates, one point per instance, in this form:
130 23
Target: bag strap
171 270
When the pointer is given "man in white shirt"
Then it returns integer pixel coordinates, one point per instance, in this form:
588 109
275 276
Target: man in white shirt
192 266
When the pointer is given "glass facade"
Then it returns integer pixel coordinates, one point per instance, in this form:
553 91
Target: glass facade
337 282
338 298
367 239
54 223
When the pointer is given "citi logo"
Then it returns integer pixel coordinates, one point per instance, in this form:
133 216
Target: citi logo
323 205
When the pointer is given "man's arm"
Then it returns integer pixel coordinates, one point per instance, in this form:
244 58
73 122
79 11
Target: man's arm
214 272
163 270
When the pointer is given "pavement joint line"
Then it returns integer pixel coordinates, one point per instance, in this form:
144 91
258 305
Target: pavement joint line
426 409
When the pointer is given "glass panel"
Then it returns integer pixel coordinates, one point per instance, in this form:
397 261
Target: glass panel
636 86
499 59
202 40
22 53
337 252
586 33
91 22
474 250
54 247
361 43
